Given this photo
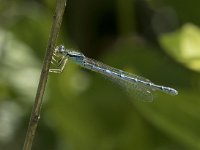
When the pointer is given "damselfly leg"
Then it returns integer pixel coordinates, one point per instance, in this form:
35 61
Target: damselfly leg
59 62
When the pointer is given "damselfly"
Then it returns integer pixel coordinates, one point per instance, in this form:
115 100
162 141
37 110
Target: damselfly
136 84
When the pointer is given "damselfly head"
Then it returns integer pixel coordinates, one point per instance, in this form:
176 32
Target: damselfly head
60 49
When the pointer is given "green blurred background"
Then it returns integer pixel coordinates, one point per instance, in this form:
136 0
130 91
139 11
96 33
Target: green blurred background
159 40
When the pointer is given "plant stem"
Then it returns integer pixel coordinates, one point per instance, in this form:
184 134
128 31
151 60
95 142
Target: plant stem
35 115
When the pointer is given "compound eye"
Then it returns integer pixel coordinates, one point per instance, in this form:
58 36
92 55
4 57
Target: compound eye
61 48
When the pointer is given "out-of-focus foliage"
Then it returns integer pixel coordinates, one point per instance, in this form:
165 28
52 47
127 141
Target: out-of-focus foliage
83 110
184 45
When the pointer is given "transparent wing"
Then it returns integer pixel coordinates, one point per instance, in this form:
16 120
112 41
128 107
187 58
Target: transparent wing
137 89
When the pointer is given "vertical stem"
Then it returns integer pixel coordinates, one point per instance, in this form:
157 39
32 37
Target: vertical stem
35 115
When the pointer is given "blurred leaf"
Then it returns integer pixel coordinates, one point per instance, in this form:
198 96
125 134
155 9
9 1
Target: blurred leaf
19 67
184 46
19 71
